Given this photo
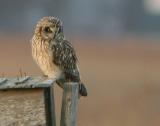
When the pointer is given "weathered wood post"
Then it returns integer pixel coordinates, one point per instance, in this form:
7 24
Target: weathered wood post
69 104
50 107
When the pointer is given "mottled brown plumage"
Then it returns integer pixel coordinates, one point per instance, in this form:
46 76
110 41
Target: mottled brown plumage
54 54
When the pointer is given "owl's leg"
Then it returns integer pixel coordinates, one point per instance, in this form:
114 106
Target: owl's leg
60 83
44 76
72 77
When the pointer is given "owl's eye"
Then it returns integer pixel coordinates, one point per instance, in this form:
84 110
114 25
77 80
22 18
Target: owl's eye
48 30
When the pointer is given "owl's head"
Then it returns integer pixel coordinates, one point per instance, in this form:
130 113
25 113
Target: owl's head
49 28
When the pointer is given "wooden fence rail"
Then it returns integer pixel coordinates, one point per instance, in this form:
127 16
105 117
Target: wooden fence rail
29 101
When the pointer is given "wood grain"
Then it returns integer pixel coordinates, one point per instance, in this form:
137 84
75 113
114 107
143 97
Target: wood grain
22 108
69 104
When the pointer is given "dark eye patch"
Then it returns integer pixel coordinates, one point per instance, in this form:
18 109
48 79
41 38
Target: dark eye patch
48 30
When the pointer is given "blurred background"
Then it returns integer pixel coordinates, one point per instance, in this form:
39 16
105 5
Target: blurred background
118 46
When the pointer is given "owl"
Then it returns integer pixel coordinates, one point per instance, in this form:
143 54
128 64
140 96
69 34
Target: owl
55 55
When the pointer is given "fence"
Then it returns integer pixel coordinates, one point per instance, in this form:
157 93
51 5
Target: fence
29 101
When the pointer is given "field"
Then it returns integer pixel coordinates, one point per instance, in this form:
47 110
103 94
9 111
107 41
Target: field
122 77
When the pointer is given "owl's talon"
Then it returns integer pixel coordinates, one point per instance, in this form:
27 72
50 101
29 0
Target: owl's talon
44 76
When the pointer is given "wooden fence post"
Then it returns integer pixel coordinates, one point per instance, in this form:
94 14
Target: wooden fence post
69 104
49 106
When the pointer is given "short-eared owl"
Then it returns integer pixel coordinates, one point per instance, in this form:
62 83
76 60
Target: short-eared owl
54 54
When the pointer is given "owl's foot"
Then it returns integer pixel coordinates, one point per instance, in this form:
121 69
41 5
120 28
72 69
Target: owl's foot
44 76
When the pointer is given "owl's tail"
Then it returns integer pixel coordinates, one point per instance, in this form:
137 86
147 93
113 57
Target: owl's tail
82 90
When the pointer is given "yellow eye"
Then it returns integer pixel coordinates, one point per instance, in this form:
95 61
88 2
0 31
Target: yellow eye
48 30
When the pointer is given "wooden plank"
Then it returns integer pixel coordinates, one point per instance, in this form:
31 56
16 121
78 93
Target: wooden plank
69 104
22 108
25 82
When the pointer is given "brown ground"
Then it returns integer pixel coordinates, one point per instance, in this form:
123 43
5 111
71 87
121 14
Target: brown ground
123 79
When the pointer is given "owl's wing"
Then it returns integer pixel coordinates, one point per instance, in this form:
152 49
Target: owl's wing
65 57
